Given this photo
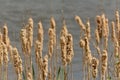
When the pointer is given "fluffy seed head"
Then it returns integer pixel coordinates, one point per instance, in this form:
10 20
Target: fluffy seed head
82 43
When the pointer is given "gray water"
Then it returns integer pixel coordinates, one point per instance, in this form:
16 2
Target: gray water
16 12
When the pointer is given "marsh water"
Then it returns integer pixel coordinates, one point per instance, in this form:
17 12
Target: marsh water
16 12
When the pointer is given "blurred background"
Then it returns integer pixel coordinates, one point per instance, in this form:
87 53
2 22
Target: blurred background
16 12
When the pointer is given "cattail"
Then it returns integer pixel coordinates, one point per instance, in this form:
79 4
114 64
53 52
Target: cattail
1 55
98 50
88 55
5 36
87 48
63 44
5 54
64 31
17 63
1 50
15 60
104 26
94 64
117 68
49 76
40 34
40 67
51 43
69 47
51 34
63 50
104 58
79 21
99 25
88 30
45 67
116 49
30 22
119 38
11 53
29 37
20 68
82 43
107 27
29 34
105 31
53 26
117 21
1 37
97 38
23 40
29 76
5 61
113 35
106 43
38 50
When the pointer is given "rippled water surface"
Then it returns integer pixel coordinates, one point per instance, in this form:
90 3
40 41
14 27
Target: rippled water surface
15 12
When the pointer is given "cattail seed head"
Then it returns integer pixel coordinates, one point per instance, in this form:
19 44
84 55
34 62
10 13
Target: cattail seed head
45 67
23 35
97 38
99 25
1 53
104 25
52 22
5 54
94 64
82 43
107 27
88 30
30 22
51 42
29 76
40 32
104 58
117 69
5 35
30 36
117 19
113 35
11 53
63 50
64 31
116 49
53 26
17 61
38 50
79 21
1 37
69 47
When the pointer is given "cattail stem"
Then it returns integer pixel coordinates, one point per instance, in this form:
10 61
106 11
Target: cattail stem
1 72
89 77
51 66
5 72
26 65
71 71
55 62
30 58
83 64
65 73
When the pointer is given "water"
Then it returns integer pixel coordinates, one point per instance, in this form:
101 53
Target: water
15 12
